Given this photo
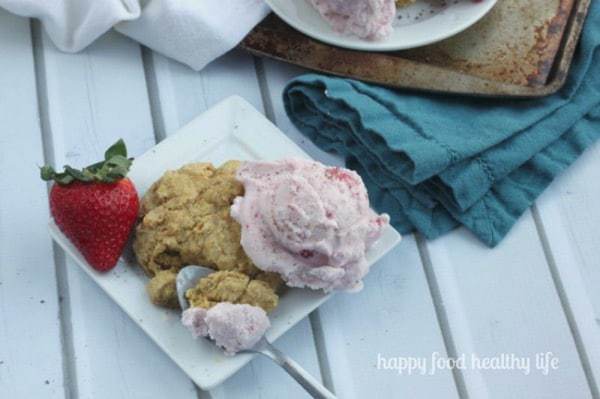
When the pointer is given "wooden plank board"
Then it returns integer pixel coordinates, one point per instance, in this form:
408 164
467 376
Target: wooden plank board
394 316
276 75
94 98
570 216
504 301
31 363
180 95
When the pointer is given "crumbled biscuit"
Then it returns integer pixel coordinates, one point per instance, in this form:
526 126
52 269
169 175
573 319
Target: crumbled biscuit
233 287
185 220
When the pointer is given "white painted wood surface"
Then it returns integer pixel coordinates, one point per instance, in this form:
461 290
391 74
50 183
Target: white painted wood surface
504 301
535 293
31 359
568 215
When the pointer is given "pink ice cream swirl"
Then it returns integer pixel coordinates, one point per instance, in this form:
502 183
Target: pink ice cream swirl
310 223
367 19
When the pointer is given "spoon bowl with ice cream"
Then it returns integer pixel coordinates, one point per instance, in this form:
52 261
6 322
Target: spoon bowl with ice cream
238 328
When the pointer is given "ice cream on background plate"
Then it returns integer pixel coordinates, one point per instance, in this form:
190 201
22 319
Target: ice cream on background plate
233 327
367 19
310 223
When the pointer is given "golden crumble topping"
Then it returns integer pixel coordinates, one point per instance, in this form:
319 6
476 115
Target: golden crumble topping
184 220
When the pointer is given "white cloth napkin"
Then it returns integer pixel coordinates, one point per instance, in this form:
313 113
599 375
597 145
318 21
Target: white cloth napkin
194 32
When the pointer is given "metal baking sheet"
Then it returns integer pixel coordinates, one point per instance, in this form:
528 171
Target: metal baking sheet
522 48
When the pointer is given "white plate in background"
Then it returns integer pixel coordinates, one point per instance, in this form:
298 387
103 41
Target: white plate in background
232 129
419 24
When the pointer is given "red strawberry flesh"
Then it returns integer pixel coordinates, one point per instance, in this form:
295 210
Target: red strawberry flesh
96 217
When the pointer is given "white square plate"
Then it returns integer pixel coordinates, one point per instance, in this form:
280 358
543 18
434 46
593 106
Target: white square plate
230 130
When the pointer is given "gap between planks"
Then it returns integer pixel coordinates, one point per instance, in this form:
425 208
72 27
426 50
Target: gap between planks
158 121
441 315
563 297
64 305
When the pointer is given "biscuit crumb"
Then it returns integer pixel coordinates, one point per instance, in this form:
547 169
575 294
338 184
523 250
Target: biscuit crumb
233 287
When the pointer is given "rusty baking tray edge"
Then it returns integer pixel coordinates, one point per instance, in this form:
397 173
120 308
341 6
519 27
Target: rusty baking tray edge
436 79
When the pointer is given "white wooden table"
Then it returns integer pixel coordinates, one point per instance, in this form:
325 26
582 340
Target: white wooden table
61 337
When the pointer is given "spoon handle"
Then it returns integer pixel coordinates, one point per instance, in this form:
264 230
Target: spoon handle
308 382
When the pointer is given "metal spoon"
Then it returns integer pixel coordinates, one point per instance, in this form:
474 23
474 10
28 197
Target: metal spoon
189 276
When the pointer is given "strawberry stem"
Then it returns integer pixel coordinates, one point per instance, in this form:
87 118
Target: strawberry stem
113 168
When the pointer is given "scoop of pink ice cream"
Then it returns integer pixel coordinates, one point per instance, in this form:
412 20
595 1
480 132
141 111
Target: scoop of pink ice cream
233 327
310 223
194 319
367 19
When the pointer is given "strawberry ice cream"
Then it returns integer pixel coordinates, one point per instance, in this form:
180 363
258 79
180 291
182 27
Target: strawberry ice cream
310 223
233 327
194 319
367 19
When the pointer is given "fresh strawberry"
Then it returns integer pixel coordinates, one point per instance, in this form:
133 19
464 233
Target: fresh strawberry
95 207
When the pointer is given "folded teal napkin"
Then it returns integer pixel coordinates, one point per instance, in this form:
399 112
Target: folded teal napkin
434 162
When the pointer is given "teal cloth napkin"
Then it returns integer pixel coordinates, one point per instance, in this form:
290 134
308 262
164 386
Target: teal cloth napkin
435 162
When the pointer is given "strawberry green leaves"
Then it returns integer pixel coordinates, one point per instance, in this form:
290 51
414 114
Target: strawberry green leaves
114 168
118 149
